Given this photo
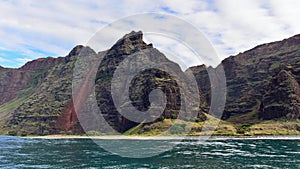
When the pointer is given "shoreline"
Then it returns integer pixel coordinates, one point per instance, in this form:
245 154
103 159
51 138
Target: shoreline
123 137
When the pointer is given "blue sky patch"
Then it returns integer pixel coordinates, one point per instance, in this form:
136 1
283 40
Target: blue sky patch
15 59
168 10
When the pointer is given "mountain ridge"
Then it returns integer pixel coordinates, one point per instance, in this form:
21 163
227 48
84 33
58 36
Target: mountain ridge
37 96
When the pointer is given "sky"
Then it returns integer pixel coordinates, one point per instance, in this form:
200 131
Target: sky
31 29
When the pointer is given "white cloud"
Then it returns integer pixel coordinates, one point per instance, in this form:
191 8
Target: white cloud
174 50
183 7
287 12
241 25
231 25
2 60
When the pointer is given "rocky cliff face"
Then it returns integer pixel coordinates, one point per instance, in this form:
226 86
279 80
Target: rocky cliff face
282 98
42 63
14 82
48 106
141 85
262 83
248 73
49 99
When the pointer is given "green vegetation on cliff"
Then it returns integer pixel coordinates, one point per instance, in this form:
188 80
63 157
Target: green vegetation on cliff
263 93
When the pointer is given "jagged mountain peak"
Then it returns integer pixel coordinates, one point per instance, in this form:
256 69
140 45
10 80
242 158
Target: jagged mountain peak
41 91
131 43
198 68
80 48
76 50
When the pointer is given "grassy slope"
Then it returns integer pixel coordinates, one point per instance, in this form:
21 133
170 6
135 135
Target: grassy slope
244 127
249 124
7 108
272 127
179 127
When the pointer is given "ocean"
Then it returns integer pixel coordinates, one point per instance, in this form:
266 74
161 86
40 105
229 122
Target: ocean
16 152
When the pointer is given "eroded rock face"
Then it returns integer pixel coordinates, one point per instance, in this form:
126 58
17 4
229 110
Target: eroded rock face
49 108
14 82
248 73
141 85
48 105
42 63
38 98
282 98
202 78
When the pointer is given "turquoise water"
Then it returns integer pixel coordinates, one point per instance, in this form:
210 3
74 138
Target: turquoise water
84 153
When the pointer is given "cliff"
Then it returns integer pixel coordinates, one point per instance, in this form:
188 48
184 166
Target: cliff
262 85
249 74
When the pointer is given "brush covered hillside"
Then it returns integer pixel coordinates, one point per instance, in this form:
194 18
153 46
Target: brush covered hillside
263 93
